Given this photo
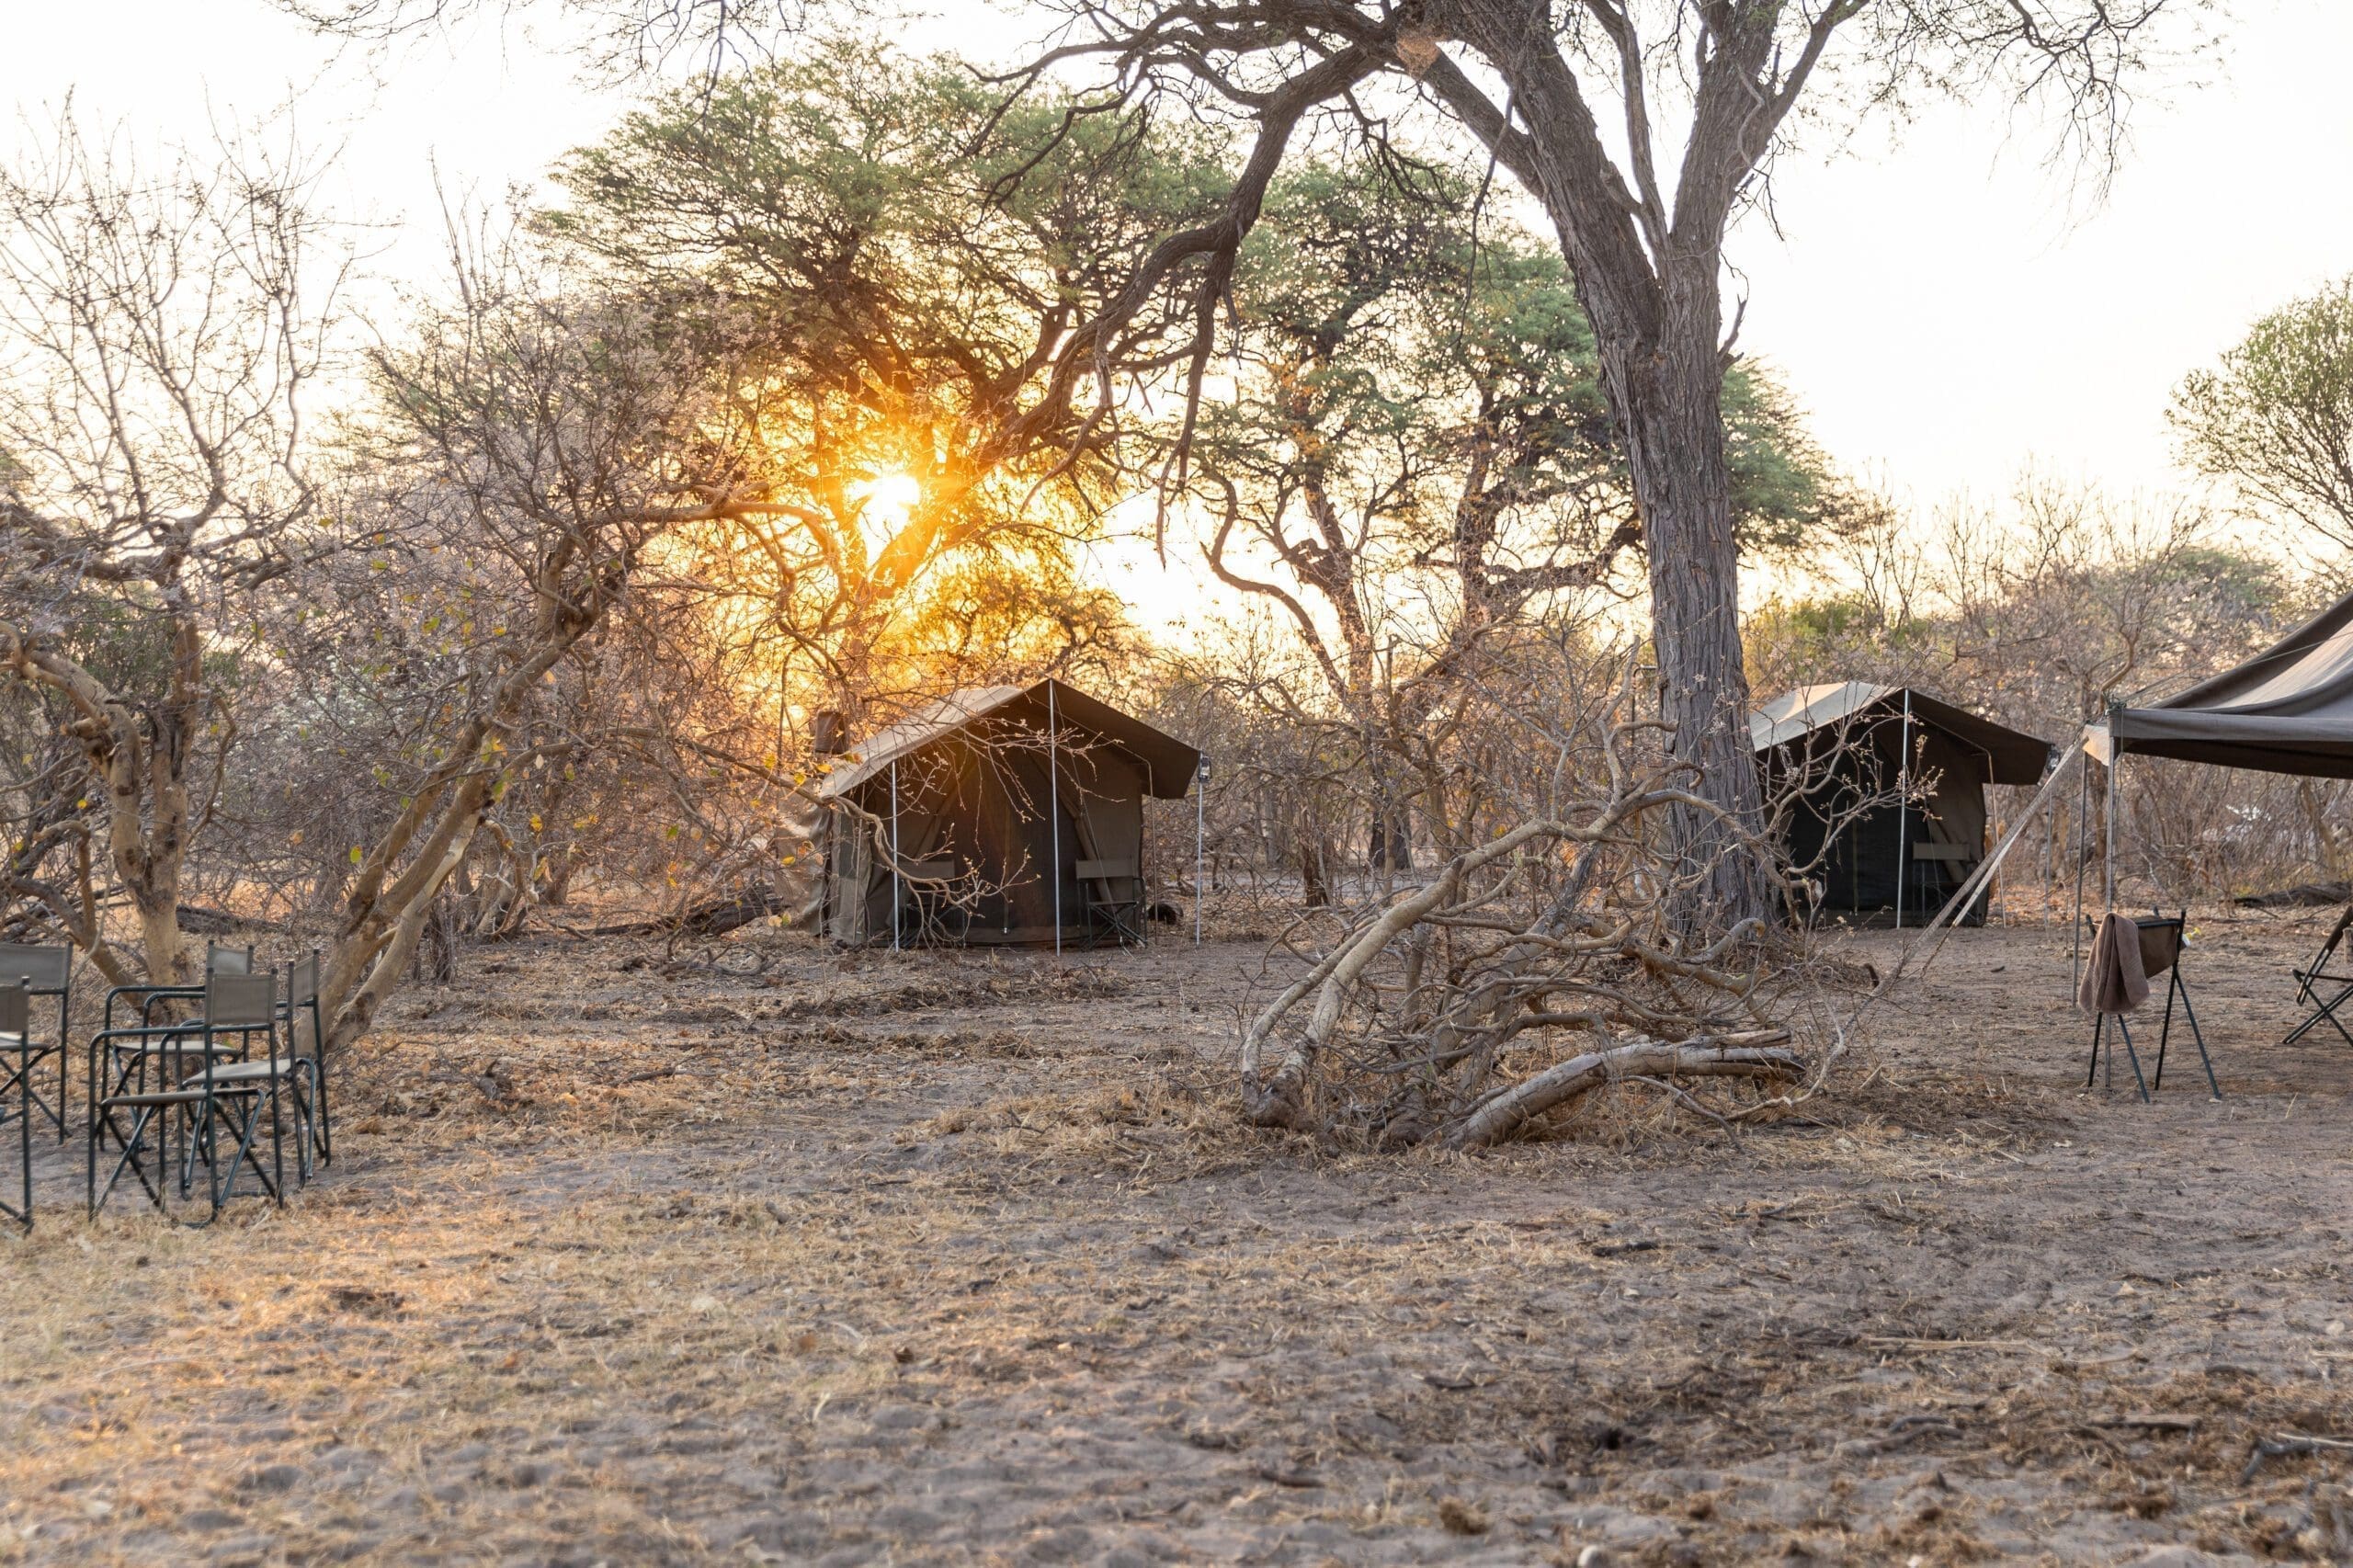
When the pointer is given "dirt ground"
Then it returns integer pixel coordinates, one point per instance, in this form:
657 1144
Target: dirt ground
916 1258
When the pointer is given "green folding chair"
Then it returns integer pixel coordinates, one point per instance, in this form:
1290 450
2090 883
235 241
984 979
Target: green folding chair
42 970
201 1080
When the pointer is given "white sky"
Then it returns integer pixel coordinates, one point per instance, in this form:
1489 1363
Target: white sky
1946 311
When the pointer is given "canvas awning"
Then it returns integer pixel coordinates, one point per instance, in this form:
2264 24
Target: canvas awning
1168 763
2288 710
2011 755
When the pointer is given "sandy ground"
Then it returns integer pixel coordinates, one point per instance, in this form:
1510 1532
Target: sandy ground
932 1259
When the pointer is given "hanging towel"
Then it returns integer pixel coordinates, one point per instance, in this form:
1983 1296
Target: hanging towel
2116 981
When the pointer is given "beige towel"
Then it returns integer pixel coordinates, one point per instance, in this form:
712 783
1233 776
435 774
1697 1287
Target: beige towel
2116 981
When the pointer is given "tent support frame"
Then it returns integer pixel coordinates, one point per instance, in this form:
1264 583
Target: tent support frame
1903 810
1054 812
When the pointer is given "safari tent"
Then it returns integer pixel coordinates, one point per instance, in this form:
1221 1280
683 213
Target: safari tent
1001 815
1830 748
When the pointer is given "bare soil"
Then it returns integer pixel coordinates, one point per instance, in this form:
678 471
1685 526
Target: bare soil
934 1257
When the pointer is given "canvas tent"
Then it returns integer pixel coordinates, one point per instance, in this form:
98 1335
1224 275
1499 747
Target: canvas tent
1834 747
2288 710
1017 817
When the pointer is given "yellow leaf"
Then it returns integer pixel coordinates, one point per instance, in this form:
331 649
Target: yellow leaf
355 855
535 821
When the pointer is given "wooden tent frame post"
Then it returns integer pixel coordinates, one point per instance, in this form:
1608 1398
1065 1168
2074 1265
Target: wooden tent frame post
894 855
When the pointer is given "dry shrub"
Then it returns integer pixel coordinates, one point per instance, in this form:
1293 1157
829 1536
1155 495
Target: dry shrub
1567 952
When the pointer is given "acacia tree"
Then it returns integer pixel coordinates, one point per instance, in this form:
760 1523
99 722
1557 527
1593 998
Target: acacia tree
905 257
1417 462
2275 418
161 332
1641 127
1713 85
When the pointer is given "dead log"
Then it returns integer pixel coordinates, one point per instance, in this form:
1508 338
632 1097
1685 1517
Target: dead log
2304 895
199 920
1750 1054
713 919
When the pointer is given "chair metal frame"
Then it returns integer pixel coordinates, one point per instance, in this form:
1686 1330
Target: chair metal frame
44 971
2309 979
301 993
1107 911
2174 988
218 1097
16 1020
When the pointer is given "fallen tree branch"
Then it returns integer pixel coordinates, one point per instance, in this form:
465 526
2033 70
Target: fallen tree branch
1751 1053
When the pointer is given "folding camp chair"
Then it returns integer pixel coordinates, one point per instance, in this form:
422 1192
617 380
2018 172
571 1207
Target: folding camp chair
147 996
42 972
2317 977
16 1032
187 1078
2162 937
303 997
1114 900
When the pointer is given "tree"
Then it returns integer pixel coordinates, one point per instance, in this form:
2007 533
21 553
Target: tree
161 332
1418 465
905 257
2276 418
1713 84
1646 253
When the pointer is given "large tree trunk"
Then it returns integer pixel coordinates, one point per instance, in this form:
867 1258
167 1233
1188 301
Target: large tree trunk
1669 394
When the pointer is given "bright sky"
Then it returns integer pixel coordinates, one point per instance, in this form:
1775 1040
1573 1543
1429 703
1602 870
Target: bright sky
1946 311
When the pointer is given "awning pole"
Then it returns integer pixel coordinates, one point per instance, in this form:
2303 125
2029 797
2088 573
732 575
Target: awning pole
1904 812
1200 837
2108 856
1054 813
2049 862
894 854
2083 825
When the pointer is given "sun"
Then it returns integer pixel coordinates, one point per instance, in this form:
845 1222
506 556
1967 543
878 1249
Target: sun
890 497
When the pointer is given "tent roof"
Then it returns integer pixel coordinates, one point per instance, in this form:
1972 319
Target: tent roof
2288 710
1168 763
2012 755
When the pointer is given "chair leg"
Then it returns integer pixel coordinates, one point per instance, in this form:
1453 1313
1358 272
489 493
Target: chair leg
318 1075
64 1049
2199 1036
2324 1013
2131 1056
22 1213
2164 1030
2091 1073
133 1142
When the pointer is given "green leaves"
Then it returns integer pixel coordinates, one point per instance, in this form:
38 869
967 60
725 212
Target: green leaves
2275 418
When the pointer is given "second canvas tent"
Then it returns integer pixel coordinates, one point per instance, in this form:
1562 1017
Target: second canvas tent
1835 755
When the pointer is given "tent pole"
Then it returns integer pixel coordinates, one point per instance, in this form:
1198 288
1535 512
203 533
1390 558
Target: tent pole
1200 837
2108 855
894 854
1904 810
2083 822
2050 860
1054 813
